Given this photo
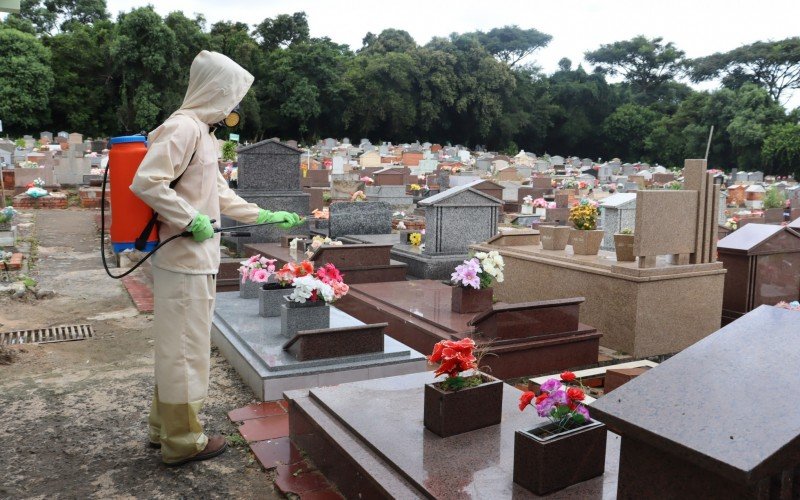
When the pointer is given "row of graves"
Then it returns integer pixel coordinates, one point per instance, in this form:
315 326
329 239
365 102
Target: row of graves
38 172
343 321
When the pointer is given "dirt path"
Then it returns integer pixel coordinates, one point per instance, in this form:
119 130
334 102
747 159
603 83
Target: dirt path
73 415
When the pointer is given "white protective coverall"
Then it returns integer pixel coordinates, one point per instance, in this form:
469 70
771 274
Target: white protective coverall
184 270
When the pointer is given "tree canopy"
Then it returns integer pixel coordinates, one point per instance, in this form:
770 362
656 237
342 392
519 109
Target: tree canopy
68 66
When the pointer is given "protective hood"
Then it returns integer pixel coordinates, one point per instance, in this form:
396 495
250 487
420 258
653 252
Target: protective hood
216 86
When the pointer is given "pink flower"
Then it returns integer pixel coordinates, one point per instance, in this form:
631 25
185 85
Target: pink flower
259 275
244 272
253 259
340 289
466 274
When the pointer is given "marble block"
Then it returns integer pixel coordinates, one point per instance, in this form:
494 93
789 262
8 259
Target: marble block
254 347
392 195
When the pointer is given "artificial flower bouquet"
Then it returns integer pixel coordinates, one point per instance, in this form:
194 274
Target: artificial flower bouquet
454 358
286 275
539 203
584 214
326 285
561 404
7 214
368 180
358 196
479 271
415 187
257 269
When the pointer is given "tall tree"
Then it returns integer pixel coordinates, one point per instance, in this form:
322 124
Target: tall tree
626 131
48 16
282 31
26 80
149 74
773 65
84 94
781 151
389 40
512 44
645 63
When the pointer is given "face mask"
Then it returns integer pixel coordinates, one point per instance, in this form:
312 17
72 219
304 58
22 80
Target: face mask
231 120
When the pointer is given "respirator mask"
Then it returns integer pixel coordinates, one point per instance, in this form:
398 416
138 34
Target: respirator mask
231 120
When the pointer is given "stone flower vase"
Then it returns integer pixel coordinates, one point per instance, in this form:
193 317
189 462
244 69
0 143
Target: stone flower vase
586 241
271 298
249 289
297 317
526 209
554 237
546 462
466 300
456 412
623 245
541 212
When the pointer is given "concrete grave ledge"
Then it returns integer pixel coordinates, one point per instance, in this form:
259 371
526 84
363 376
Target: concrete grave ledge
255 348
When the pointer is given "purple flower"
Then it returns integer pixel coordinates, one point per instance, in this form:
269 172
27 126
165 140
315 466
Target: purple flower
581 410
552 384
559 397
467 273
544 407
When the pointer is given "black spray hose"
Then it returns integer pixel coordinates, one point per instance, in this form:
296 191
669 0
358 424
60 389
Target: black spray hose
229 231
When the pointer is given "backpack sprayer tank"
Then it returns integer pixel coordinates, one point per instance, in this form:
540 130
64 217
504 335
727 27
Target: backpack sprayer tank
129 215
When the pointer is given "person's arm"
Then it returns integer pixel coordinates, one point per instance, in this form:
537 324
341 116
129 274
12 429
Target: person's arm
233 205
168 147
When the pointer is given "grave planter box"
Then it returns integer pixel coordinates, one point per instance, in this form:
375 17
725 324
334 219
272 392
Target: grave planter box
545 462
297 317
623 246
249 289
586 241
554 237
456 412
467 300
271 298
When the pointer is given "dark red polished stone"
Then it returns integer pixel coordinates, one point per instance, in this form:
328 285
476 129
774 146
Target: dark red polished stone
336 342
448 413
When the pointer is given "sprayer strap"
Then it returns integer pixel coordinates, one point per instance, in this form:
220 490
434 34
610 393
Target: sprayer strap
141 241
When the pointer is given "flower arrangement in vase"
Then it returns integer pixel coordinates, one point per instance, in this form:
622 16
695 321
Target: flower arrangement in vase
527 205
272 293
541 206
317 242
466 399
369 181
7 214
308 306
358 196
254 272
472 282
414 188
569 435
585 238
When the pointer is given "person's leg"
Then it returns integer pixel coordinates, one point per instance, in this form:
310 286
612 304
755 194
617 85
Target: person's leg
154 421
182 327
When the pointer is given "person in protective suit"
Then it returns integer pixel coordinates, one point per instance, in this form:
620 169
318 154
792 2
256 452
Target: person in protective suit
184 272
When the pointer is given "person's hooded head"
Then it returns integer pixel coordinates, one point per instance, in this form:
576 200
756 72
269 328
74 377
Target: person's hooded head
216 86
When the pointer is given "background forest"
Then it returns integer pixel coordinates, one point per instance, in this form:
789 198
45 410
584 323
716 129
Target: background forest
66 65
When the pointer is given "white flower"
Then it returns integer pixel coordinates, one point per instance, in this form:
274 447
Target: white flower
293 244
499 277
481 255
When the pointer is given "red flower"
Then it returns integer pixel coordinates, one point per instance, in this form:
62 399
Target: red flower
575 394
453 356
525 399
541 397
568 376
305 268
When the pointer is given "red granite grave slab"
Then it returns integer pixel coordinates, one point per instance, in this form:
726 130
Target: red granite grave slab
299 478
329 494
260 429
256 410
336 342
275 452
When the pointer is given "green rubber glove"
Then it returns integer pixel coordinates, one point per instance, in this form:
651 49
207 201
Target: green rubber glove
285 220
201 228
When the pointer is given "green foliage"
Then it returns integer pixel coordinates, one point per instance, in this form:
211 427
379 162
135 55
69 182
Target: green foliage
459 382
26 81
627 129
781 150
645 63
511 44
774 65
626 230
229 150
774 198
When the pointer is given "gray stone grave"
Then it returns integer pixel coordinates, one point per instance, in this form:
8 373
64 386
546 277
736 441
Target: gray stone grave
391 195
619 212
455 219
365 217
257 350
269 176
